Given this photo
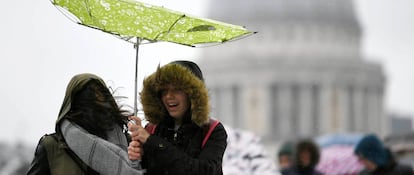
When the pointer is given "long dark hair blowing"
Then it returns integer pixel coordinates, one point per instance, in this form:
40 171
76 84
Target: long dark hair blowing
94 109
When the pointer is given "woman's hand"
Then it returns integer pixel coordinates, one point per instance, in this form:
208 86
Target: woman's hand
138 133
134 151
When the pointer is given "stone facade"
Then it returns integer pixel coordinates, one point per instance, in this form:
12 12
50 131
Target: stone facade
301 75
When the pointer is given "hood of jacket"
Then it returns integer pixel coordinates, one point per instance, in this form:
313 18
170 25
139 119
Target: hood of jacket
183 79
371 148
75 85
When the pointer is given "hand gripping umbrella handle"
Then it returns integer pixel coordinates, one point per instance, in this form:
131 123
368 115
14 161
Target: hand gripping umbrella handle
136 164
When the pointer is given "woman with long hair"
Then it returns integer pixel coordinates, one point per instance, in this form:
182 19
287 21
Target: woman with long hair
89 136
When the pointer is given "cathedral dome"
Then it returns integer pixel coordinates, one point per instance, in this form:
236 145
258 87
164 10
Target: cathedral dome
325 11
292 28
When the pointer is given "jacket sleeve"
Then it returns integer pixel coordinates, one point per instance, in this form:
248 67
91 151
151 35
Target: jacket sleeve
40 164
177 162
99 154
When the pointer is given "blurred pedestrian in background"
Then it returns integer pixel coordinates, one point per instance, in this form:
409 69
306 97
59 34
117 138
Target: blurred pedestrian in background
306 157
285 156
245 154
377 159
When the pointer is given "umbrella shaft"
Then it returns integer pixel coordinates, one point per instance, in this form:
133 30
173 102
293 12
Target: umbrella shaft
136 77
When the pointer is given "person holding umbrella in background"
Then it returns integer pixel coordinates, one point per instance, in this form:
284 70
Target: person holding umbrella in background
377 159
176 104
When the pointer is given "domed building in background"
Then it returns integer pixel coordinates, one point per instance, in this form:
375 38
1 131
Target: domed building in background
302 75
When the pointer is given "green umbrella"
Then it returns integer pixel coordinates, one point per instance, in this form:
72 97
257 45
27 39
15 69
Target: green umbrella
138 23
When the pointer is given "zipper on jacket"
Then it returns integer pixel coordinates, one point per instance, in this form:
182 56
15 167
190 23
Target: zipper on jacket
175 136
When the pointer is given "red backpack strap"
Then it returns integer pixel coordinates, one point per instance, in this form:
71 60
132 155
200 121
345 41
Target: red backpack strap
150 128
213 123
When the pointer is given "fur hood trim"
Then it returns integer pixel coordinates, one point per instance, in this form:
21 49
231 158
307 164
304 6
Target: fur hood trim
183 79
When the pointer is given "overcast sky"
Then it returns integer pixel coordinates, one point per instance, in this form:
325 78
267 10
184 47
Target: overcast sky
41 50
389 38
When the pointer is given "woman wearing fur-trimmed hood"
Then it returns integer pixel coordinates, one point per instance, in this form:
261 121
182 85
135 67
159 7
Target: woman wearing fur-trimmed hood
175 101
182 78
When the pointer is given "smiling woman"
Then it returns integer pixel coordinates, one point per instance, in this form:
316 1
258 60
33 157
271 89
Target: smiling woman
183 140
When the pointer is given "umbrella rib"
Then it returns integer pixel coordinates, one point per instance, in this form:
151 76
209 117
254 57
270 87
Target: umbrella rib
65 13
169 29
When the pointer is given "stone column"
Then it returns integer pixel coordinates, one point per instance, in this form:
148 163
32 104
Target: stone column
214 102
224 105
305 112
295 107
316 109
335 110
274 112
372 121
255 109
235 106
383 117
364 110
285 105
358 105
341 123
325 109
351 109
268 125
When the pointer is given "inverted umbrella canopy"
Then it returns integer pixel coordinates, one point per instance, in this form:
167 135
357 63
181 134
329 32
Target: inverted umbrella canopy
129 19
137 22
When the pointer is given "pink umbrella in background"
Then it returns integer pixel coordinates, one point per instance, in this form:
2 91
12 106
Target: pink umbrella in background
339 160
337 154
